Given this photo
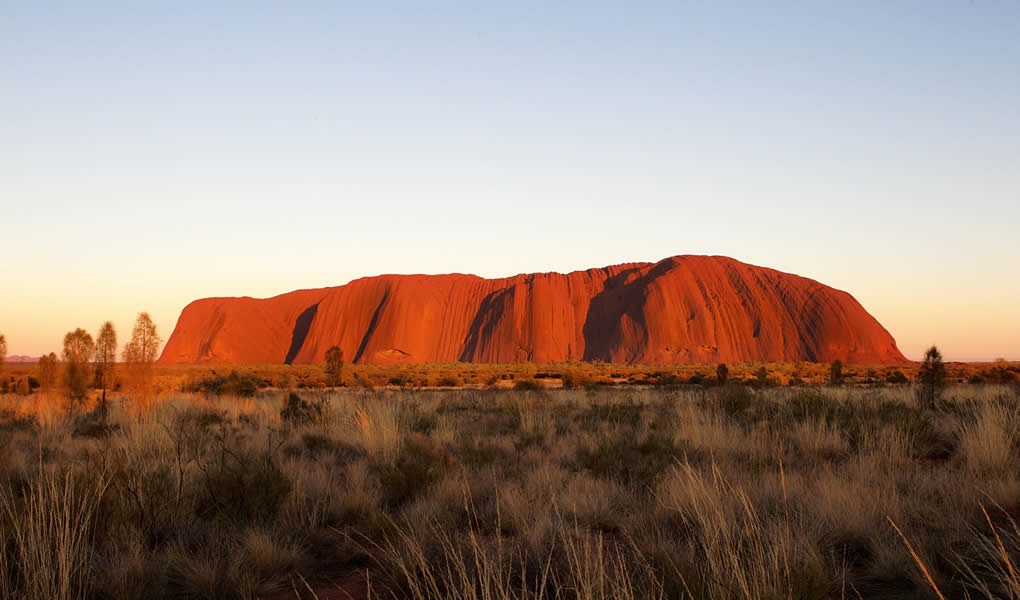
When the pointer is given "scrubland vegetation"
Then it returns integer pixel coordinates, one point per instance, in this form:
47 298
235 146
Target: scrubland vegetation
669 491
165 379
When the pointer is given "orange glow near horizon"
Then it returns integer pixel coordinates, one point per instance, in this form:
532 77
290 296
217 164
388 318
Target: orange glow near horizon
36 319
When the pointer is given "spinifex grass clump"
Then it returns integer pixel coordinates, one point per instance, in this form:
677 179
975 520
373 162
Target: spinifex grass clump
48 529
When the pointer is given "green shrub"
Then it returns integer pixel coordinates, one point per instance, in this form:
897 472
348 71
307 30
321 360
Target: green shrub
317 443
419 463
572 379
810 405
11 421
836 373
479 454
626 460
628 414
238 385
299 411
449 381
92 425
419 421
932 378
738 403
918 427
147 497
722 374
334 366
897 377
241 486
527 385
233 384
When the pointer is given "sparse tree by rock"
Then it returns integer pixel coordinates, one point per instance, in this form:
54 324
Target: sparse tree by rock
932 378
140 355
334 365
106 358
722 373
48 371
78 351
836 373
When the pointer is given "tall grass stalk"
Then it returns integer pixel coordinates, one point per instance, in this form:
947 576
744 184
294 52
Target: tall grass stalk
742 555
49 532
989 569
378 427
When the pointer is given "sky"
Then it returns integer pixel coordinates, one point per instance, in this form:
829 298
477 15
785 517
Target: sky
155 153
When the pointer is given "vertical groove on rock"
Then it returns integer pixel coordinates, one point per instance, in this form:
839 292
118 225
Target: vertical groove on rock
371 326
301 327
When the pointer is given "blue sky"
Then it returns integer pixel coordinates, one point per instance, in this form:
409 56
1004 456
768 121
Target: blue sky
154 153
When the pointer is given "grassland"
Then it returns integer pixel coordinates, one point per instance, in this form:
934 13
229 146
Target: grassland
669 491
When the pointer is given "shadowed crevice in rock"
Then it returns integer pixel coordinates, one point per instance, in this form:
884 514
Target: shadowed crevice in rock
602 322
371 326
623 296
205 349
301 327
485 322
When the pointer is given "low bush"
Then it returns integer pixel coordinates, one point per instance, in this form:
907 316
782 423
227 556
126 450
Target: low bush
572 379
240 484
449 381
897 377
299 411
634 463
419 463
234 384
526 385
92 425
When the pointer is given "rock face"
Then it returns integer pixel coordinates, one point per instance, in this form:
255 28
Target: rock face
681 309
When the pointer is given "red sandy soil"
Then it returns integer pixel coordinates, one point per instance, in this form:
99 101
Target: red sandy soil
682 309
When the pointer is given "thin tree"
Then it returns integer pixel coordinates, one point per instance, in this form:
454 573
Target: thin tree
3 352
334 365
722 373
140 355
836 373
106 358
78 351
932 378
48 371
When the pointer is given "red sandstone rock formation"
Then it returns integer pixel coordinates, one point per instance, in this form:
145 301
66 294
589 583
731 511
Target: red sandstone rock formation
681 309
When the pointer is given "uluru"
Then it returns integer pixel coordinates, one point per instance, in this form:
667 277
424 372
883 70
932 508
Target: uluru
678 310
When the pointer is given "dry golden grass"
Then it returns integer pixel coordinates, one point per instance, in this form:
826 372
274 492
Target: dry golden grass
49 530
988 442
638 492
